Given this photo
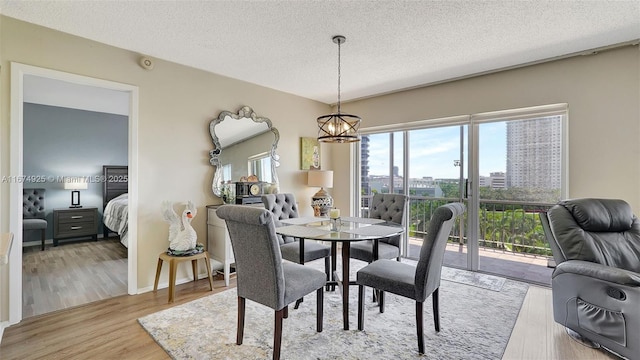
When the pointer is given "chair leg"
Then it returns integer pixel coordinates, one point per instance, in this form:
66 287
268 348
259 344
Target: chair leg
360 307
419 327
286 312
277 336
436 310
381 300
240 334
320 309
42 238
298 302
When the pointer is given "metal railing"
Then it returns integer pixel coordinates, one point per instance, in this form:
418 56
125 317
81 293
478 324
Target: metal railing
509 226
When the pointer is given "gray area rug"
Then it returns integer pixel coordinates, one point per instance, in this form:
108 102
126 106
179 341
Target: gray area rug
475 323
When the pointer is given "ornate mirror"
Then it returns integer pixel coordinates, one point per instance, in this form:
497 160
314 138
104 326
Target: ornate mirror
244 150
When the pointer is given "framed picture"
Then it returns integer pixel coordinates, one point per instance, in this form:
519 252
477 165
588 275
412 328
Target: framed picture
309 153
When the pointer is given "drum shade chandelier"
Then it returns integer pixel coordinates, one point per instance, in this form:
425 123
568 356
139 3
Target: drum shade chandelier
338 127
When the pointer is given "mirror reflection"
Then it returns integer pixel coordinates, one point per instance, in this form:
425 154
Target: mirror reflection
244 151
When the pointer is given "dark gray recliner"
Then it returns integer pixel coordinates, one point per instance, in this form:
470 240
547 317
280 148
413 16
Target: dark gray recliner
413 282
596 283
33 215
262 276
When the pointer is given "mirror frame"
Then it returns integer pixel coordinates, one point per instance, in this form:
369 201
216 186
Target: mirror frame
243 112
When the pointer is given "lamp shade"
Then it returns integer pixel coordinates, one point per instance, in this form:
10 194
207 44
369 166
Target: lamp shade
75 183
320 178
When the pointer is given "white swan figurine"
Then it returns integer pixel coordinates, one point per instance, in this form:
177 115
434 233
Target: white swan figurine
182 236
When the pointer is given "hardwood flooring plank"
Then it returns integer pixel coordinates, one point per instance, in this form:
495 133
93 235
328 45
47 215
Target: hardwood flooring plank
72 274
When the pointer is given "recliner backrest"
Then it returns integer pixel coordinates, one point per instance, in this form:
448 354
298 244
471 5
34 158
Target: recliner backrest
603 231
429 267
282 206
257 254
33 203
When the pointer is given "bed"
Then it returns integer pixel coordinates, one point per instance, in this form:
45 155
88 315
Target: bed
115 189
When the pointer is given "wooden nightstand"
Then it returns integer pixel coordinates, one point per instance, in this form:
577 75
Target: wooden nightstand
75 222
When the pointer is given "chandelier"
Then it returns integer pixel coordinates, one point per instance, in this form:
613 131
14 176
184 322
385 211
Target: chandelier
338 127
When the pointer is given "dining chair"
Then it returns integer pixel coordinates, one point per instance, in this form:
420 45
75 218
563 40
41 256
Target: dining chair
414 282
262 275
388 207
284 206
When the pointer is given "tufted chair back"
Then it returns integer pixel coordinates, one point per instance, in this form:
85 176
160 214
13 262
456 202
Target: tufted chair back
33 203
282 206
389 207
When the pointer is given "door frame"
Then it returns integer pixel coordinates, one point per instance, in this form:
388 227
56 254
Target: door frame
18 72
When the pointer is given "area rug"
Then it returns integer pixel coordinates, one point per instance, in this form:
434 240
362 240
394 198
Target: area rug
475 323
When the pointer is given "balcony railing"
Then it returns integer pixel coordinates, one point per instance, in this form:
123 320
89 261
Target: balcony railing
509 226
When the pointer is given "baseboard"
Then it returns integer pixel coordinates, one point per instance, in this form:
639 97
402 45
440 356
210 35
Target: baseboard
164 285
3 325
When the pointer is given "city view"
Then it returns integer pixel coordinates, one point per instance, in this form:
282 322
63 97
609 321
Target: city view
520 175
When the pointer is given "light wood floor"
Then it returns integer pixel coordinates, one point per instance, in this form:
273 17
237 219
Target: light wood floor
108 329
72 274
536 336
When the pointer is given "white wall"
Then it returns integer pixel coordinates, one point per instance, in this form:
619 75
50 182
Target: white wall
176 105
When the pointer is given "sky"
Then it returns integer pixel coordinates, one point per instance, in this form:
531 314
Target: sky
433 151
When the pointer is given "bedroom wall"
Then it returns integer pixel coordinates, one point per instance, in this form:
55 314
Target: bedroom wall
176 104
61 141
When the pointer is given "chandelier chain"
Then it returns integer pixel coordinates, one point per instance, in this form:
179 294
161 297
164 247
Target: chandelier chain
339 43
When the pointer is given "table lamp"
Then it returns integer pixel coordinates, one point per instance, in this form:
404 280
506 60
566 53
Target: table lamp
321 201
76 184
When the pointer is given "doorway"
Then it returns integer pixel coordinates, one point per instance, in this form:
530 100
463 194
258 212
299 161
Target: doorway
19 73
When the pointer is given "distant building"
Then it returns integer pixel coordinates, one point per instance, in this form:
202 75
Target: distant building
364 164
534 153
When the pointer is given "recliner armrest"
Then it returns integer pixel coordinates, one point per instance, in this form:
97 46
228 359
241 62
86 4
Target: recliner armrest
598 271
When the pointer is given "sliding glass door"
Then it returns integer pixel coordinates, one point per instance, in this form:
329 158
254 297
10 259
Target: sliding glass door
506 167
520 175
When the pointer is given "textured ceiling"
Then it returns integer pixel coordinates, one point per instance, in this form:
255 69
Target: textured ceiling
391 45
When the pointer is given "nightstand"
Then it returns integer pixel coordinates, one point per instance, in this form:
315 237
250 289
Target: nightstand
74 223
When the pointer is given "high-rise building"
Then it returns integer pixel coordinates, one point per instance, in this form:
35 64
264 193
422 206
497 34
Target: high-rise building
534 153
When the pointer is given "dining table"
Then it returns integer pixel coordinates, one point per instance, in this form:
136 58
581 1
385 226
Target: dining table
343 230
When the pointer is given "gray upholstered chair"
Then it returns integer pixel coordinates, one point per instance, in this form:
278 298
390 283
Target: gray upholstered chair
262 275
414 282
596 282
33 215
388 207
284 206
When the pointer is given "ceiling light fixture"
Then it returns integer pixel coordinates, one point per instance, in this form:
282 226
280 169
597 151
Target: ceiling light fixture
338 127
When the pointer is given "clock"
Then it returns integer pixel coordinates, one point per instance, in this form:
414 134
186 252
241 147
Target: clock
254 189
248 192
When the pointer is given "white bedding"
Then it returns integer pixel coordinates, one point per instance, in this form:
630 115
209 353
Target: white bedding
116 215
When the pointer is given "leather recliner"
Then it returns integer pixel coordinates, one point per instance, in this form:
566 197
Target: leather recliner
596 283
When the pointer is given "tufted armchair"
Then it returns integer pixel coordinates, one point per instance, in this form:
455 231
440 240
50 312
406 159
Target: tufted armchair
284 206
33 216
596 283
388 207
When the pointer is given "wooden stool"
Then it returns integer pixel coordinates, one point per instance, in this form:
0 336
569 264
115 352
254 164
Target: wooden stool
173 265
